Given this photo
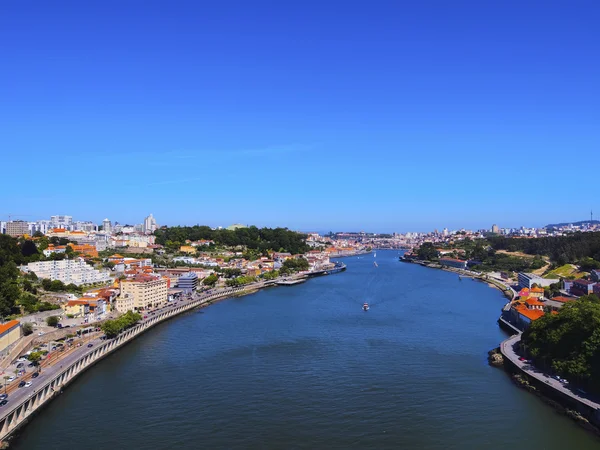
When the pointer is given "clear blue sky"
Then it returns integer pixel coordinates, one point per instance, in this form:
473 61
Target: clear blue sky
382 116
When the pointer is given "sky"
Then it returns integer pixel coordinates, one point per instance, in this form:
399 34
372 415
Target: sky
315 115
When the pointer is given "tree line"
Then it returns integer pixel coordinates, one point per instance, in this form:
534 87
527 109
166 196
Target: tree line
261 239
568 343
571 248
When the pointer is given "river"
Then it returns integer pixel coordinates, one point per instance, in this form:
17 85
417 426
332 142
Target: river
304 367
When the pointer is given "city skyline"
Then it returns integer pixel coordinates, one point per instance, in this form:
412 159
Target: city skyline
411 117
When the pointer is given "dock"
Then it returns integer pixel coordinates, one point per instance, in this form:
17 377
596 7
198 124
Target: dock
290 282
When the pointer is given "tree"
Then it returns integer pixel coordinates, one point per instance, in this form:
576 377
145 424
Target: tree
35 358
28 249
27 328
52 321
427 252
210 280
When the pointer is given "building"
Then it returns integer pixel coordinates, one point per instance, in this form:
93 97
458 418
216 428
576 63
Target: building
54 249
188 282
85 250
529 279
77 308
65 222
75 271
106 226
10 332
146 292
595 275
149 226
451 262
495 229
582 287
17 228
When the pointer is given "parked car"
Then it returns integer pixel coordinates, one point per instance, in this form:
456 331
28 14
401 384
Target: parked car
11 379
521 359
20 365
35 375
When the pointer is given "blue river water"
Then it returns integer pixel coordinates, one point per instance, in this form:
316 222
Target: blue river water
304 367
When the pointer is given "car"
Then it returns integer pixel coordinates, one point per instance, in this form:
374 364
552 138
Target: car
54 348
20 365
521 359
30 364
28 384
90 345
3 396
35 375
21 384
11 379
67 326
41 333
556 377
3 402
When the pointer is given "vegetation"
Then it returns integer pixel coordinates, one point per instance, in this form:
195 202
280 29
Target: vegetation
35 358
210 280
112 328
253 238
270 275
572 248
427 252
569 271
293 265
240 281
27 328
52 321
568 343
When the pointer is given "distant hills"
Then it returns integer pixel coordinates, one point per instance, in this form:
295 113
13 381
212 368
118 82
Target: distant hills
581 222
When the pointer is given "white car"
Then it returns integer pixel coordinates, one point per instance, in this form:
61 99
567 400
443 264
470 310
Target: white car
11 379
28 384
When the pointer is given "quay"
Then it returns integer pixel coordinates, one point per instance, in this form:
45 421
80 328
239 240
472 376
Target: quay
293 282
24 403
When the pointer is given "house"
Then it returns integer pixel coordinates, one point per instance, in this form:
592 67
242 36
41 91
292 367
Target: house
533 303
451 262
524 316
582 287
10 332
563 299
536 292
595 275
77 308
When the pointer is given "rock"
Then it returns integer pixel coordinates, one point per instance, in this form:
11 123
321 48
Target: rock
496 360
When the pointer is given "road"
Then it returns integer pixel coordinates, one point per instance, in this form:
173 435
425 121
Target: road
51 368
509 352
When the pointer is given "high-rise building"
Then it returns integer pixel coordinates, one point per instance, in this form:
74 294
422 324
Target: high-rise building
142 292
16 228
106 226
445 232
495 229
149 224
65 222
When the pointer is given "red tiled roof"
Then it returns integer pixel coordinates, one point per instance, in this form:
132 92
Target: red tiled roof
8 325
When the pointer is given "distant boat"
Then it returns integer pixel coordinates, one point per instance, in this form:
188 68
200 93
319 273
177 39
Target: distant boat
365 306
375 255
375 263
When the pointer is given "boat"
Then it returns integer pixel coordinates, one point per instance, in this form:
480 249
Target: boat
375 263
375 255
365 306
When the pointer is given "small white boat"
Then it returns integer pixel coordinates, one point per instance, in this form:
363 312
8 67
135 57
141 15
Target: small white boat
365 306
375 263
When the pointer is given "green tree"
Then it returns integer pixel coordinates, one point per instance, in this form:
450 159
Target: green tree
27 328
427 252
52 321
35 358
210 280
28 249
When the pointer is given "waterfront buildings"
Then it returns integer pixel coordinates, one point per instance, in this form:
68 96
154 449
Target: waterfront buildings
451 262
10 332
75 271
529 279
188 282
142 292
17 228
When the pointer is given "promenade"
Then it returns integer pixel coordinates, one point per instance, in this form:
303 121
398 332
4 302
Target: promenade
55 375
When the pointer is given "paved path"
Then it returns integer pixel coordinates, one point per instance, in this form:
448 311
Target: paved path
507 348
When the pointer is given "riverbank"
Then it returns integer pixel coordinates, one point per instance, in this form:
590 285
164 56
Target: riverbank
24 405
507 290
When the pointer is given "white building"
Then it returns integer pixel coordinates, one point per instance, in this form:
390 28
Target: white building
149 224
526 280
75 271
65 222
106 226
